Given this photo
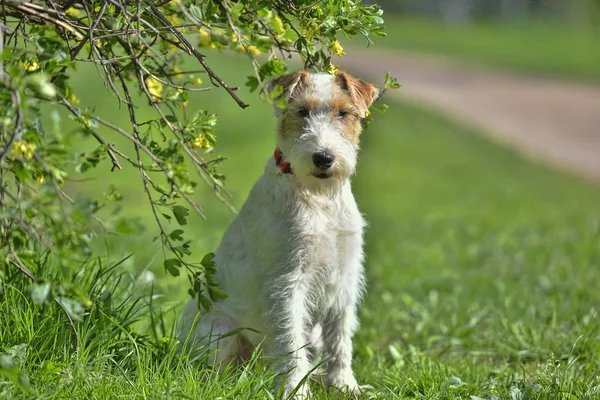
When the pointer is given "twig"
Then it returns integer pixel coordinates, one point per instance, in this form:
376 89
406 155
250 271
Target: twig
26 10
89 36
196 162
191 50
18 121
16 98
253 62
165 238
109 150
17 263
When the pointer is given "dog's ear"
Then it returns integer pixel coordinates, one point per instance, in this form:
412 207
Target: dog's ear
363 94
290 84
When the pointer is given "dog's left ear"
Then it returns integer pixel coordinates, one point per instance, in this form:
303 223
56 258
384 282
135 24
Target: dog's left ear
363 94
290 83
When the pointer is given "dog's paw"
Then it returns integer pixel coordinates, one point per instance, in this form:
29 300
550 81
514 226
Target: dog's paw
345 382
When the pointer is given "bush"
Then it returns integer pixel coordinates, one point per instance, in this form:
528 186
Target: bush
138 48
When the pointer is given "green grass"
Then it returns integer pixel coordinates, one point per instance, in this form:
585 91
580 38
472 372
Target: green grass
483 275
551 48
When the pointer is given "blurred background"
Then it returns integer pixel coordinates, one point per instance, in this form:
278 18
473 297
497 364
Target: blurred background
481 177
467 11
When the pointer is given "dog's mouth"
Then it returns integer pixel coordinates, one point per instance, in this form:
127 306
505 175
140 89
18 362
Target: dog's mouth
321 175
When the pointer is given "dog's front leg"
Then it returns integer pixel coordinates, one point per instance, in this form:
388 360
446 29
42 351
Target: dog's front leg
337 348
289 316
340 319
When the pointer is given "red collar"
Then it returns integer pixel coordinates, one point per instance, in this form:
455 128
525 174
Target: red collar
282 163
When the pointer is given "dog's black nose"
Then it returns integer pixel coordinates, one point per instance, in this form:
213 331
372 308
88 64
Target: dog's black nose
323 159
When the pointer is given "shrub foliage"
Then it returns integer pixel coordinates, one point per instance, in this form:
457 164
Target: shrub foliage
139 48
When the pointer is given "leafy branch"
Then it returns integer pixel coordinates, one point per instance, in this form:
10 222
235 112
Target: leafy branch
139 50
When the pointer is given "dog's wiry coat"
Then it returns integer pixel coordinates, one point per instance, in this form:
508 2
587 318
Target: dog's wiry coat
291 261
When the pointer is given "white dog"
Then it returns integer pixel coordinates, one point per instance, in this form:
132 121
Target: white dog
291 261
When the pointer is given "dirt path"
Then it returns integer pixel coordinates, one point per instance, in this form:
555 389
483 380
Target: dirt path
556 122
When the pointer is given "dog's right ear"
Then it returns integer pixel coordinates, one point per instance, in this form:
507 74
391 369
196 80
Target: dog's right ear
289 84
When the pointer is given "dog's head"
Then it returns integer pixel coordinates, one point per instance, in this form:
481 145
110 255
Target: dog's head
319 130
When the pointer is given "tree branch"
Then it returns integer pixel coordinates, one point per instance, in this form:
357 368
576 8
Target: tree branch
191 50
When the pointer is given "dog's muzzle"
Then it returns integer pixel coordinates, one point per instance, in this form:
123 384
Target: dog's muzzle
323 160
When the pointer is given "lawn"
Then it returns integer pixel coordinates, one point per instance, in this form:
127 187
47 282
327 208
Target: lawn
542 47
483 275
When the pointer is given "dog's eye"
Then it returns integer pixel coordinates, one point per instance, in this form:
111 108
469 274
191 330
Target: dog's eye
342 113
304 113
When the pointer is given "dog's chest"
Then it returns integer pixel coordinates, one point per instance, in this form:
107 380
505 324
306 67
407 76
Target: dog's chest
323 231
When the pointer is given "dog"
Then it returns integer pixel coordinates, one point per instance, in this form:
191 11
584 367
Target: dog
291 262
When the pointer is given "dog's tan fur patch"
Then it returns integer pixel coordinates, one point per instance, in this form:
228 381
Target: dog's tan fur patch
291 83
363 94
349 95
351 126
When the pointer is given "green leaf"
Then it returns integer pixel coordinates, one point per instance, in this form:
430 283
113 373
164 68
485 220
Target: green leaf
112 194
71 307
20 171
171 118
18 352
52 367
252 83
40 83
181 214
278 91
172 265
281 103
9 370
455 381
39 292
128 226
208 260
196 12
203 302
82 167
391 82
176 235
216 293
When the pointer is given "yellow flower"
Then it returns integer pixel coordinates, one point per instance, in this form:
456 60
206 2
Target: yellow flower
184 103
333 69
201 142
73 12
198 81
155 88
337 49
178 71
367 113
311 29
205 40
253 51
41 179
174 19
278 26
22 149
31 66
73 99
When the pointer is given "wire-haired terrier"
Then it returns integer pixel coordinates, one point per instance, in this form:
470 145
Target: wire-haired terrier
291 261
